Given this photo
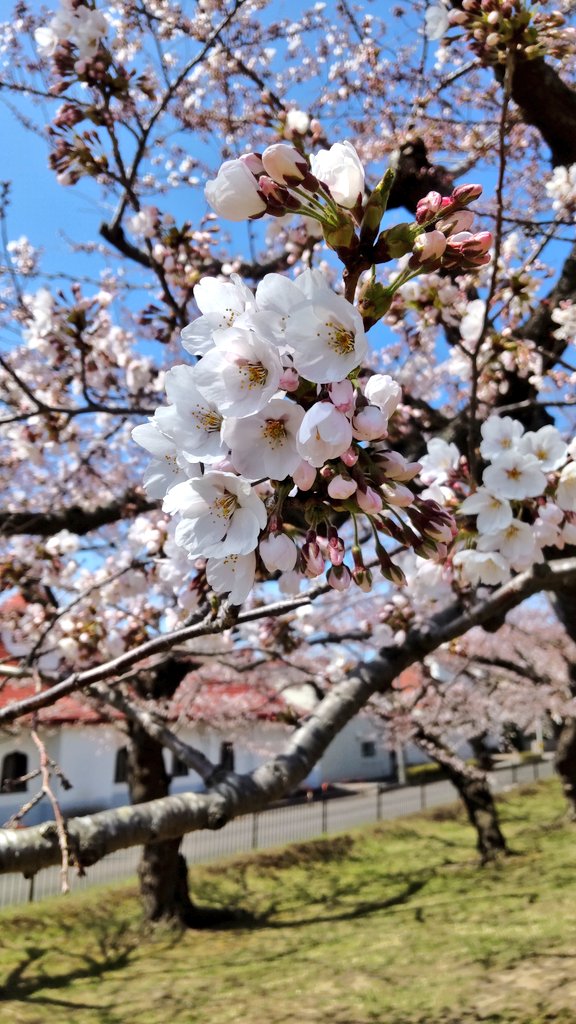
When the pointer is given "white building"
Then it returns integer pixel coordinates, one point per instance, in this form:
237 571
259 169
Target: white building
234 724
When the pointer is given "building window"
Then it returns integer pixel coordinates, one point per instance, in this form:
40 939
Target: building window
121 766
178 767
368 748
14 767
227 756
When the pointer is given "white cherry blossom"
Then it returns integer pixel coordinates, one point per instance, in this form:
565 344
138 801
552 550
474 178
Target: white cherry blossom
436 21
327 338
340 168
515 475
499 434
169 466
194 423
241 374
220 303
234 194
487 567
221 515
547 445
493 513
232 575
264 444
516 542
324 434
566 490
442 458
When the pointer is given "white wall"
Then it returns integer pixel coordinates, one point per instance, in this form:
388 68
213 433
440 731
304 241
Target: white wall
343 760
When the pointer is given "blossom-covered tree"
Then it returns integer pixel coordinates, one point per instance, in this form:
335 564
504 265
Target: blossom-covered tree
348 367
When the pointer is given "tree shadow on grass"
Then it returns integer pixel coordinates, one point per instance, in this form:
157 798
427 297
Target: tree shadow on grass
31 975
241 919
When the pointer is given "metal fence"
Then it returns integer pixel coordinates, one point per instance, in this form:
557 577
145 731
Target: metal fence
276 826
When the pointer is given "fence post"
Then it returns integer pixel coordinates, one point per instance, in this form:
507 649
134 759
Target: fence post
324 815
378 802
422 796
254 831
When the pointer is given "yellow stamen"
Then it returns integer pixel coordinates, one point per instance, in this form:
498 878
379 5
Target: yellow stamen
274 431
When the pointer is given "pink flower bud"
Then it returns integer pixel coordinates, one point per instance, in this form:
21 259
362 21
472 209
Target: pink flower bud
313 559
457 17
304 476
430 245
363 579
339 577
458 220
276 195
349 457
397 495
284 163
370 424
278 552
253 162
341 487
397 468
464 194
428 207
342 395
336 549
369 501
289 381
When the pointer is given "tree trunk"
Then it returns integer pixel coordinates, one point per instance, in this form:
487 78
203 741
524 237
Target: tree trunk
482 814
565 762
473 788
162 870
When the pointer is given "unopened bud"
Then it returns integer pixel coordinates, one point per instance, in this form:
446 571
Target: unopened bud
429 245
464 194
349 457
369 501
284 164
289 381
428 207
363 579
375 209
304 476
341 487
339 577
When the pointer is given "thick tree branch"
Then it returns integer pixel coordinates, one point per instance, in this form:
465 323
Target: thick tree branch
93 837
75 519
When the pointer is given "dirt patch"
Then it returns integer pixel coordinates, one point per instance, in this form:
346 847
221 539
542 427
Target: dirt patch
544 984
317 851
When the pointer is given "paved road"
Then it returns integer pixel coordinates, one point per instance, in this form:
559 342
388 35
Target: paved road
273 827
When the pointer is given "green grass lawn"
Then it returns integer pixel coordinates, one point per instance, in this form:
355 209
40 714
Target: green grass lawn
393 924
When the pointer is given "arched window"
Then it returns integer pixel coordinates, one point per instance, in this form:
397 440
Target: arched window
14 766
121 766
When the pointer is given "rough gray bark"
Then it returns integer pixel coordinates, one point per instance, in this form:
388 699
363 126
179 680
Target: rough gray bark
475 793
162 871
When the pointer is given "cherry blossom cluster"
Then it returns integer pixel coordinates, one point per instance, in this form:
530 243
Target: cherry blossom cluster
562 190
329 189
496 27
74 24
271 437
525 503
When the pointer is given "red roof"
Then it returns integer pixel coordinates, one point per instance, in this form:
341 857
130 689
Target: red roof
198 698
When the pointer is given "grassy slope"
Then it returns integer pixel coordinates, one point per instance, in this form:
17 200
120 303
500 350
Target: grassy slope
396 925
